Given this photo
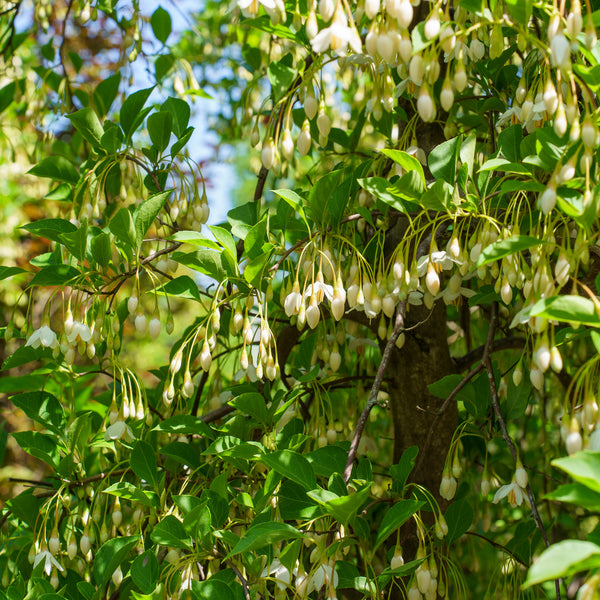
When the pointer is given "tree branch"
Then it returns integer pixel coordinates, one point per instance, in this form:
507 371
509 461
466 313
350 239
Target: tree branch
385 358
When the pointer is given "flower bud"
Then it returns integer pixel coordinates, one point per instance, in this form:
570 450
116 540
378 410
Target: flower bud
287 145
447 95
425 105
267 154
304 139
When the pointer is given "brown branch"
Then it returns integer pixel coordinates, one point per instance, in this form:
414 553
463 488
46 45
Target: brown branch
385 358
239 575
487 361
201 385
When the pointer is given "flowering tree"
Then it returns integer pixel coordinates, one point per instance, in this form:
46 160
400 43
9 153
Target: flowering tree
353 386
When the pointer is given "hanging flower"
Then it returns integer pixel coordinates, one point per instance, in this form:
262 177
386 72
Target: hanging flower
516 494
44 336
281 575
49 562
250 7
338 36
80 333
119 431
323 575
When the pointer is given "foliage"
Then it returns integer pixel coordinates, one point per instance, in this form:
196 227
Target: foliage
409 299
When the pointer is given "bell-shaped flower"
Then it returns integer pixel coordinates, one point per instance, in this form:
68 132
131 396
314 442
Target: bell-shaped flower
323 575
281 575
250 7
44 336
80 333
338 36
320 290
515 493
119 430
49 561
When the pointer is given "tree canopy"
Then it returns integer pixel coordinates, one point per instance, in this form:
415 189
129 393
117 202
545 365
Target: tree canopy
376 376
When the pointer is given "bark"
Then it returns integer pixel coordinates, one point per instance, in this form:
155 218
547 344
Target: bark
424 358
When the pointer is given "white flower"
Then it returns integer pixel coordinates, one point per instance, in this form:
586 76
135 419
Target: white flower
516 494
250 7
80 333
321 291
49 561
281 575
323 575
338 36
44 336
438 257
119 431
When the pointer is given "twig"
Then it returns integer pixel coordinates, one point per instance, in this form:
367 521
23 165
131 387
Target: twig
201 385
487 361
242 579
463 382
385 358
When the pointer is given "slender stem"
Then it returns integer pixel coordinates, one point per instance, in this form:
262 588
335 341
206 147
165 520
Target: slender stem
385 358
487 361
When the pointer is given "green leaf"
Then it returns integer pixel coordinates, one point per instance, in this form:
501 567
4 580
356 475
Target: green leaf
505 166
443 158
253 404
181 287
6 272
123 227
144 571
294 503
292 465
100 246
170 532
281 77
242 218
225 239
50 228
254 271
110 556
395 517
194 237
205 261
180 112
383 190
509 142
264 534
570 309
112 139
54 275
583 467
131 111
563 560
406 161
76 241
344 508
459 517
7 94
403 469
182 453
57 168
576 493
520 11
211 589
160 125
501 248
40 445
160 21
143 462
185 425
88 124
25 354
44 408
146 212
105 93
124 489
